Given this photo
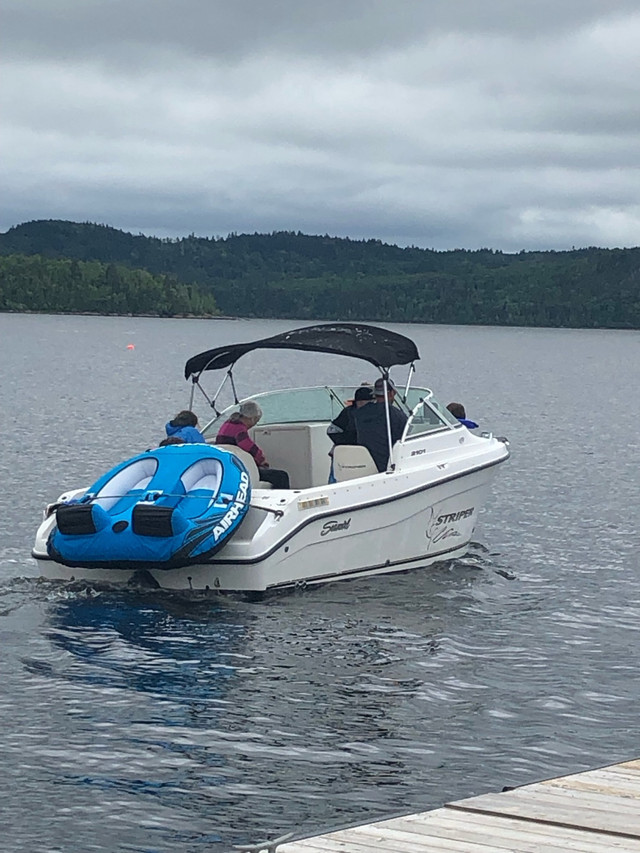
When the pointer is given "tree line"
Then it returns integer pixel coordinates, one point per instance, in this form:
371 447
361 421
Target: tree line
293 275
39 284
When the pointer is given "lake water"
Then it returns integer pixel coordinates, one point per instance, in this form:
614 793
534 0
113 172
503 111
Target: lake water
151 722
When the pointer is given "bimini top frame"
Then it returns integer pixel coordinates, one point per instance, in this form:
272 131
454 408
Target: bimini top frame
379 347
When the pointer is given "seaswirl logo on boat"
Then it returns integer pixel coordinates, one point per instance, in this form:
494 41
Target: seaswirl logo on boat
230 516
334 526
445 525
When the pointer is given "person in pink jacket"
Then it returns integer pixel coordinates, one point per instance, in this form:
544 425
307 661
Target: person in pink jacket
236 431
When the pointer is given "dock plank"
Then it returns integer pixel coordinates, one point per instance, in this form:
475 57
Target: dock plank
596 811
554 803
531 836
389 838
442 830
601 781
360 841
633 764
612 772
441 834
326 843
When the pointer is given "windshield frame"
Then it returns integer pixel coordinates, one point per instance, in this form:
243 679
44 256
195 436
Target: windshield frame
334 397
444 420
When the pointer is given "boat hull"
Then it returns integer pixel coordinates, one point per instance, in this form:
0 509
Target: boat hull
374 525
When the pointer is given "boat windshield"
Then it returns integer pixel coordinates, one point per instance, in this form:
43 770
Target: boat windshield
428 415
310 405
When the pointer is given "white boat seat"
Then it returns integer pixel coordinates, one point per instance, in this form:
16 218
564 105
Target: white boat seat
249 463
351 461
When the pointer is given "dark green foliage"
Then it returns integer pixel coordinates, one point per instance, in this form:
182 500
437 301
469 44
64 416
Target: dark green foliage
35 283
292 275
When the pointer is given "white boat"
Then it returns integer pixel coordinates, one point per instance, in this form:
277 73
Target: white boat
421 510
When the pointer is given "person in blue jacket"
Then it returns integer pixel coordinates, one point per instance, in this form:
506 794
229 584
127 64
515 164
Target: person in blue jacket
458 411
185 426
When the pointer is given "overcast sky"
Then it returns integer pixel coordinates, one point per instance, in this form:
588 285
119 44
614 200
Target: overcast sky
509 124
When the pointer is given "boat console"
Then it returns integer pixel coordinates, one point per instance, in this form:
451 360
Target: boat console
300 449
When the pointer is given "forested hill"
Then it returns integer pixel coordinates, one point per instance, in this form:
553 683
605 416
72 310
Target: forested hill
44 285
292 275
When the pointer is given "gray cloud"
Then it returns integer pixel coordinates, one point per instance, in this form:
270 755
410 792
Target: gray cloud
501 124
246 27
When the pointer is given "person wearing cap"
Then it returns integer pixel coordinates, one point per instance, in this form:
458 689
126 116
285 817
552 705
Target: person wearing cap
342 430
371 424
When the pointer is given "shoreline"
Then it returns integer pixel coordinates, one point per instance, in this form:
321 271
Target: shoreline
115 314
307 321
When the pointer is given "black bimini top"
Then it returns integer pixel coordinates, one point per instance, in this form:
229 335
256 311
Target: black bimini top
380 347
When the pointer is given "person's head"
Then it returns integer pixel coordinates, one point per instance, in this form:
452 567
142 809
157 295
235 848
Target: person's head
457 410
185 418
378 390
360 399
250 413
363 395
172 439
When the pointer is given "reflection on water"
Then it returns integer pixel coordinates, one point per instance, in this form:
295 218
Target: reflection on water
204 706
163 648
198 721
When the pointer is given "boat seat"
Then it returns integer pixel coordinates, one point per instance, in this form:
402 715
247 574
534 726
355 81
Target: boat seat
351 461
249 463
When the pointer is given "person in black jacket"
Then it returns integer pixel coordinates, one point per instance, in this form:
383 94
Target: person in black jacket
371 424
342 430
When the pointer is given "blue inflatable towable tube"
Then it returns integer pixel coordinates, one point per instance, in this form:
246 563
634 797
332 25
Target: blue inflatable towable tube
166 508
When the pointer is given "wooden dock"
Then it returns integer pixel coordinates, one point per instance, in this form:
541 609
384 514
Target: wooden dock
593 812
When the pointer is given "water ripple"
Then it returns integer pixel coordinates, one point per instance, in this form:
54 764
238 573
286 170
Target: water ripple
147 721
